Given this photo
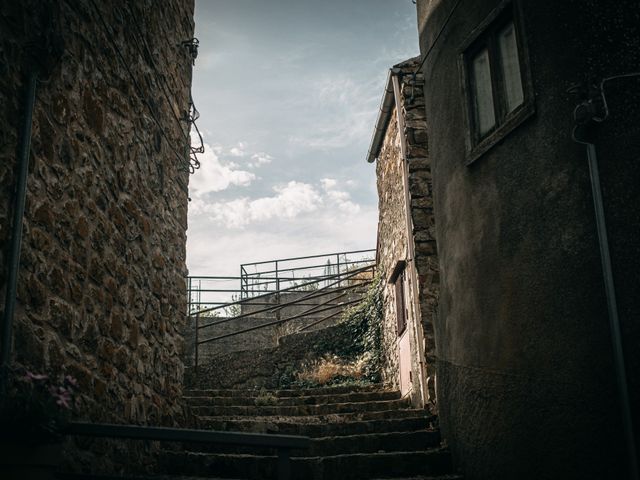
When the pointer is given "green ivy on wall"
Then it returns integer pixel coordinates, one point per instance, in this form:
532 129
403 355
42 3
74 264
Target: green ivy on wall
356 339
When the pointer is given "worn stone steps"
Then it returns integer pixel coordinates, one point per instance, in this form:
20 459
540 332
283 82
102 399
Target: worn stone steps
343 444
67 476
326 426
439 477
271 398
357 433
298 392
84 476
300 410
345 467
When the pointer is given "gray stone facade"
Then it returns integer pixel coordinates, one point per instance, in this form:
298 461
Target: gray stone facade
393 149
101 290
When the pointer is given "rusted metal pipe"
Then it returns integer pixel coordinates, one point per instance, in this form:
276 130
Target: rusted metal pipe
612 306
13 265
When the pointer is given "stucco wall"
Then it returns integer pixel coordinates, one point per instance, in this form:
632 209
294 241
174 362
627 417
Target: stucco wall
102 290
525 373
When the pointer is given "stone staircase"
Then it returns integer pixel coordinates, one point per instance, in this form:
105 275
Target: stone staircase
364 432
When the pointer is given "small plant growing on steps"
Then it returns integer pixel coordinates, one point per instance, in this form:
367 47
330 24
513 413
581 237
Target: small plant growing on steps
351 354
265 398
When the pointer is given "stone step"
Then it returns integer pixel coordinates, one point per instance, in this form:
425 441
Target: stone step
84 476
300 410
325 425
91 476
336 467
298 392
439 477
344 444
266 399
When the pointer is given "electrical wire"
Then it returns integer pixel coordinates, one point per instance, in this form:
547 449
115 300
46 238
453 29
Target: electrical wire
435 40
431 47
192 113
163 81
141 96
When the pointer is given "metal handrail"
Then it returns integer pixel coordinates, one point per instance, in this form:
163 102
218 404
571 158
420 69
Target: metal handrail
317 293
250 281
309 256
288 289
270 280
276 322
330 286
282 443
292 269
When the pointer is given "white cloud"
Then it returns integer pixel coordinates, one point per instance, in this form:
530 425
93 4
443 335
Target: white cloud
289 202
328 183
218 251
216 175
338 198
260 159
238 150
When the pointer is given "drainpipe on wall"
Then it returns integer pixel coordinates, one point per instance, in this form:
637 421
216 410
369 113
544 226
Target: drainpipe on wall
411 266
584 114
13 264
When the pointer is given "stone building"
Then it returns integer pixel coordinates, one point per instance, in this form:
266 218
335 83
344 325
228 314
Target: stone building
406 247
101 288
530 370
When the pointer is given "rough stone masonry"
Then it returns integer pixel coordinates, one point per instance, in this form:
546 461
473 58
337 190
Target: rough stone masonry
392 230
101 290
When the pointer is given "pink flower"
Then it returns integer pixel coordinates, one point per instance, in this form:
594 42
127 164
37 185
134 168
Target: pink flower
69 380
38 377
63 398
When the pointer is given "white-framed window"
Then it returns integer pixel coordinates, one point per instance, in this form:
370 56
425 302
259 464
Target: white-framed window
496 79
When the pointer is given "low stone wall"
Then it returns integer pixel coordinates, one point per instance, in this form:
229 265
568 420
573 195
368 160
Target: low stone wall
261 338
269 367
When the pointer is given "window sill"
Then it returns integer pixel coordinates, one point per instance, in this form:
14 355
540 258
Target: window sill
514 121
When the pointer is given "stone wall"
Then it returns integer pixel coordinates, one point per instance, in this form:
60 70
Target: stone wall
422 217
102 290
392 241
271 367
267 336
392 229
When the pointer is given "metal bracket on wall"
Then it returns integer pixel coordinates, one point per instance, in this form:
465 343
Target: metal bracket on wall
192 47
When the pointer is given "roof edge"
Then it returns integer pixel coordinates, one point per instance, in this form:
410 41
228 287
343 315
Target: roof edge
384 115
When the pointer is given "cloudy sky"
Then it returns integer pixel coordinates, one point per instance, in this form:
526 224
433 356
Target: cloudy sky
288 92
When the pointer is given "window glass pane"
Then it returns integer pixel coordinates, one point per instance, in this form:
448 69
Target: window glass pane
482 92
510 67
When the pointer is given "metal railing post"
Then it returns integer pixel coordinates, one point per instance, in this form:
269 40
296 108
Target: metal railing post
197 341
189 280
284 464
338 266
277 291
242 282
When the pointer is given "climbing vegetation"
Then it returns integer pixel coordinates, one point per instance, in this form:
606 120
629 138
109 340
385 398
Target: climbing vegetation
350 354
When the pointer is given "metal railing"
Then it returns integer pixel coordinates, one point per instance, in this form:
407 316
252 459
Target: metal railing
318 298
272 275
283 444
